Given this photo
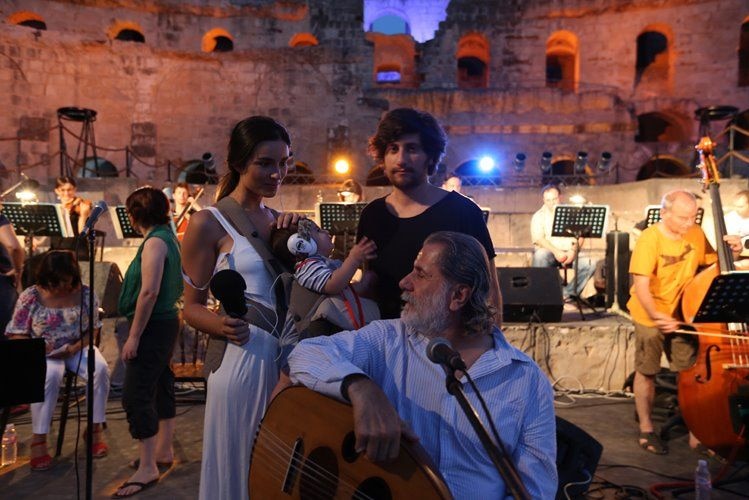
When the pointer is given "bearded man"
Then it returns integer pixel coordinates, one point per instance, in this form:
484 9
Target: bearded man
396 391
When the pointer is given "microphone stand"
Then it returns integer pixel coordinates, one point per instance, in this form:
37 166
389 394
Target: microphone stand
496 452
91 239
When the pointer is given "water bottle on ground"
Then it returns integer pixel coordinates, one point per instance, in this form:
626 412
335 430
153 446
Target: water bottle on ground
10 445
702 483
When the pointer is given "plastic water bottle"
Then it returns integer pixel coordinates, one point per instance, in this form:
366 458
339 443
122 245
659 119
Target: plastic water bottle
10 445
703 485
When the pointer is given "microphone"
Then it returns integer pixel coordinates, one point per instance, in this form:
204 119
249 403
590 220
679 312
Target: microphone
228 287
441 352
99 208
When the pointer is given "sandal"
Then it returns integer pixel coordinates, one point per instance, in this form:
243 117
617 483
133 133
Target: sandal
141 488
652 443
703 450
40 463
99 449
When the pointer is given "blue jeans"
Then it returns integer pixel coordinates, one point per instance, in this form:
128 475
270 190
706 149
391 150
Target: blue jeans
544 258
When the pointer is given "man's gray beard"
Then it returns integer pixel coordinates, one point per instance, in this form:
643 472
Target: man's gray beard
430 319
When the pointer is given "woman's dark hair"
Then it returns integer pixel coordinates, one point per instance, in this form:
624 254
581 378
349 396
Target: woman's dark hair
148 206
278 239
65 179
404 121
55 266
245 137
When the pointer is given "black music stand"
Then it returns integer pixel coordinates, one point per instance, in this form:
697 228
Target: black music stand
341 220
122 227
653 215
580 221
36 219
727 300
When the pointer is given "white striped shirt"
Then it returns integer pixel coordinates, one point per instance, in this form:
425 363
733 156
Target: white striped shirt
516 391
314 272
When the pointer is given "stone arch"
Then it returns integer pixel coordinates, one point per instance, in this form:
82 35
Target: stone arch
562 60
473 61
654 63
390 24
394 60
126 31
660 166
663 126
217 40
744 54
303 40
28 19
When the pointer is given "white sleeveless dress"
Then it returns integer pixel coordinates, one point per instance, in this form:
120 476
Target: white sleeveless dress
239 391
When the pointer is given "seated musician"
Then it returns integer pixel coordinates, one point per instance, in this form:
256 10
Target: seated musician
667 256
396 391
182 200
77 208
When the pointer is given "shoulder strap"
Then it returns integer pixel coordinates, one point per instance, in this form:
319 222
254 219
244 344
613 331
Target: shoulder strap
233 213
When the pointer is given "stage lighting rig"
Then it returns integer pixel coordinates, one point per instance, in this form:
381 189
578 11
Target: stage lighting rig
604 162
519 162
581 162
486 164
545 163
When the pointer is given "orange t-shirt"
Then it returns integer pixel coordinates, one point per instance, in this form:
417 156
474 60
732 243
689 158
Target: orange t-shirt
670 264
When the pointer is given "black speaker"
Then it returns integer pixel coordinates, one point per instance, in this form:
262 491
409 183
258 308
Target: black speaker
530 293
107 284
616 271
578 454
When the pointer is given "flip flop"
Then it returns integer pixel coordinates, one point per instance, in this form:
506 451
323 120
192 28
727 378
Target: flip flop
142 486
652 444
159 465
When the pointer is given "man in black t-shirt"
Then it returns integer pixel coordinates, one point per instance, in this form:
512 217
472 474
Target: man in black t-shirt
409 144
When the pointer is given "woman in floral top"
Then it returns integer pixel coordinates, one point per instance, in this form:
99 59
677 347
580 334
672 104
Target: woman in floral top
51 310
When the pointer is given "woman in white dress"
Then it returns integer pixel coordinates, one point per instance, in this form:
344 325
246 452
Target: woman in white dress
239 389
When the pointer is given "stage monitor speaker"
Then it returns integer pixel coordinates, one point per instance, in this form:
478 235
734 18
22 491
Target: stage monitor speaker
530 293
107 284
578 454
616 271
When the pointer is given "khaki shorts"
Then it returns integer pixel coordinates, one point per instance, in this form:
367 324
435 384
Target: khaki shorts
650 342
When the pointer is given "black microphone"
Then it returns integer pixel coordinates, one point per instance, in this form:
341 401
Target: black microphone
228 287
99 208
441 352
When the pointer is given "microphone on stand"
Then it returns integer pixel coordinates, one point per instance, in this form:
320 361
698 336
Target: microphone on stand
228 287
441 352
99 208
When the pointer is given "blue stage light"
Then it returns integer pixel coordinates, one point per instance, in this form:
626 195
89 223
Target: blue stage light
486 164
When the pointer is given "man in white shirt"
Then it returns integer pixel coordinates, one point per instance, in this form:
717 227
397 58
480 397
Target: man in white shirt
556 251
737 221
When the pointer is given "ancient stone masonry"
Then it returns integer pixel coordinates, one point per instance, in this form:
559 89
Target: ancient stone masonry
169 78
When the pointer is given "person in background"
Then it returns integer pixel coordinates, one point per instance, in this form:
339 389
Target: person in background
409 144
240 384
557 251
11 269
452 183
350 191
182 200
150 290
52 309
396 391
737 220
77 208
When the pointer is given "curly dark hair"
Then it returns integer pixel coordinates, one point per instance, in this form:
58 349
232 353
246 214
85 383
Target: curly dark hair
55 266
403 121
148 206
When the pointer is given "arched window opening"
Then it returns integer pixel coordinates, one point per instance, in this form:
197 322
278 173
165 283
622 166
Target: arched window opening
98 167
662 127
217 40
653 64
390 25
473 60
388 74
303 40
28 19
126 31
562 67
744 55
128 35
663 166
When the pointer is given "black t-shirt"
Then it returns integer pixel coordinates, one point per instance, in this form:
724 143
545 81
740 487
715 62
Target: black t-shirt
400 239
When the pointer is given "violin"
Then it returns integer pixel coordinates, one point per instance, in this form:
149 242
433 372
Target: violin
714 392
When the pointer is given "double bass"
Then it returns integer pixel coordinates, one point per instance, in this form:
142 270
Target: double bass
714 392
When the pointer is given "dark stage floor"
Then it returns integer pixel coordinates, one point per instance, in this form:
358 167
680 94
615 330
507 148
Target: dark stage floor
625 471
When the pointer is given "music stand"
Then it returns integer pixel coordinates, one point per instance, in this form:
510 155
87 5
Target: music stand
580 221
653 215
341 220
122 227
726 301
36 219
